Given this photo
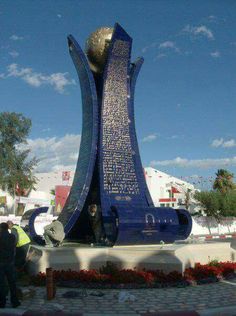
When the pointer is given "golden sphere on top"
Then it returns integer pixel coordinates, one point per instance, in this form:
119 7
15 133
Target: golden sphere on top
97 46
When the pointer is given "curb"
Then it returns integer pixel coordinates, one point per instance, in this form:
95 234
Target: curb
215 237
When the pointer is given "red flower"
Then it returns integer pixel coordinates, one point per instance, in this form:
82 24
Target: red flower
112 275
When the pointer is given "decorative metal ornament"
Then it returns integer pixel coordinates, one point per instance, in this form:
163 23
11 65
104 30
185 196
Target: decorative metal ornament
97 48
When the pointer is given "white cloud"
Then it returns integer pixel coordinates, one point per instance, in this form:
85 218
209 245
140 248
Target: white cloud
215 54
57 80
169 45
149 138
15 37
223 143
4 47
59 16
14 54
48 129
229 143
176 136
159 56
146 48
212 19
201 30
55 153
196 163
217 142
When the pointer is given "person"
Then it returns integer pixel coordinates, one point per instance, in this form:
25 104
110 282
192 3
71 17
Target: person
54 234
7 268
22 244
95 220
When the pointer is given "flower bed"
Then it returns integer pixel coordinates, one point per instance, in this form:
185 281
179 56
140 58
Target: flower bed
110 276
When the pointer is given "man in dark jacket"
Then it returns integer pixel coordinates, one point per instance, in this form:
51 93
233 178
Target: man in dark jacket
7 269
95 220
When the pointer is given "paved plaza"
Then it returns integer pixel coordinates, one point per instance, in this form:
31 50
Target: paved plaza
210 299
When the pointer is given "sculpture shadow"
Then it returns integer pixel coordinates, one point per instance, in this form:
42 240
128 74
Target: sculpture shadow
62 256
58 258
165 261
102 261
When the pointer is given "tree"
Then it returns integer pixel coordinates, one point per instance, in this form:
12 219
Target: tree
228 204
209 202
53 192
16 167
220 202
187 198
216 204
224 181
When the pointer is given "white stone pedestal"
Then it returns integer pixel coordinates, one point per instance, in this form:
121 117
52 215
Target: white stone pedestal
164 257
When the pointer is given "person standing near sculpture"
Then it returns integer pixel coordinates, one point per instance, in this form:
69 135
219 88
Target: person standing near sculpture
22 244
54 234
7 268
95 221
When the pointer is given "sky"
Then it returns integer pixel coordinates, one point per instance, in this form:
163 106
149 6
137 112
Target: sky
185 99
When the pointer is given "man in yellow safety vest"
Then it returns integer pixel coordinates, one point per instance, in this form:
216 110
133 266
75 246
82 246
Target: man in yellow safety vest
22 243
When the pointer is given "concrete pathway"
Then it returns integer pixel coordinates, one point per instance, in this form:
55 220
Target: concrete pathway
218 299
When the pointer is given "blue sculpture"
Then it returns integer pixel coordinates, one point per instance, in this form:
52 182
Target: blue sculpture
109 171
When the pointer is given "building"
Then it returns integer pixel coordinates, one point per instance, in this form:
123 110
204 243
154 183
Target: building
41 196
58 181
168 191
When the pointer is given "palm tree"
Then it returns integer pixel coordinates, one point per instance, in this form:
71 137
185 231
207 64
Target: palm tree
224 181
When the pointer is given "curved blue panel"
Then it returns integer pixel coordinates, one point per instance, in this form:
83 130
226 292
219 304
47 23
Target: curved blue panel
32 218
89 139
135 69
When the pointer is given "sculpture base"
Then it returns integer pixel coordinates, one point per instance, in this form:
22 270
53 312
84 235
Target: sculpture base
168 257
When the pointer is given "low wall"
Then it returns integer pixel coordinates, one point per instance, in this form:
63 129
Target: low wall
203 225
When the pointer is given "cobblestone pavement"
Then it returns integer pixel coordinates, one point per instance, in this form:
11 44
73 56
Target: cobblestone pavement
211 299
